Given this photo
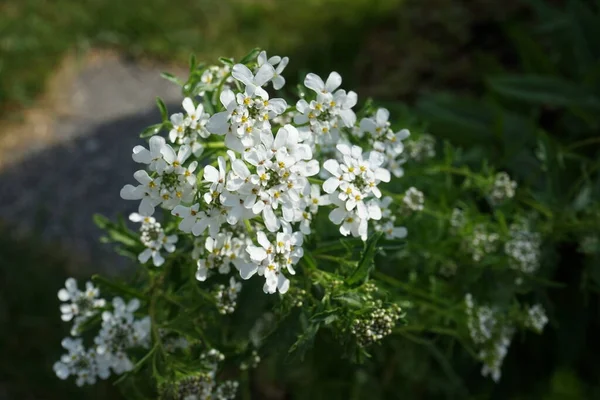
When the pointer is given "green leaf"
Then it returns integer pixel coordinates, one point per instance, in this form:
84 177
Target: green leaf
226 61
325 317
101 221
250 56
544 90
305 340
118 288
163 109
365 265
192 62
172 78
151 130
351 299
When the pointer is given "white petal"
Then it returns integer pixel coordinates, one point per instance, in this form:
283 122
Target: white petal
141 155
242 74
218 123
332 166
314 82
264 74
331 184
271 221
337 216
227 98
382 116
188 106
211 174
263 240
333 82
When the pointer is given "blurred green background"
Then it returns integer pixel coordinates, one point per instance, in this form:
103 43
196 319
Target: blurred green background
402 52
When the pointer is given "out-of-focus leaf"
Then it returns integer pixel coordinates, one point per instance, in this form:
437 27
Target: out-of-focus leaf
251 56
172 78
544 90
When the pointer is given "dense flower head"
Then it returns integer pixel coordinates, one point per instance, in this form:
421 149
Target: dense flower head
249 210
353 189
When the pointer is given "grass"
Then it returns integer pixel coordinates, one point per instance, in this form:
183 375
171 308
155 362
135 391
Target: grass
390 48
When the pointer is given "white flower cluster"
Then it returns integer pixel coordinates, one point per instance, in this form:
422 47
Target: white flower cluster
322 119
457 219
420 149
79 305
524 248
383 139
153 237
120 332
352 186
203 385
170 184
492 336
258 190
536 318
414 199
481 242
214 76
504 188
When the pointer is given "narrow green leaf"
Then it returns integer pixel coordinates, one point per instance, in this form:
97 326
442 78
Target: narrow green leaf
250 56
118 288
101 221
226 61
544 90
365 265
151 130
172 78
163 109
192 62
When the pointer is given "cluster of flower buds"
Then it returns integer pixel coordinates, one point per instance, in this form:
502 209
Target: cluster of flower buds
376 325
226 296
201 385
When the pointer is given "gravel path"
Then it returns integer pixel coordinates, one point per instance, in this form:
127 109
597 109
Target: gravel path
53 187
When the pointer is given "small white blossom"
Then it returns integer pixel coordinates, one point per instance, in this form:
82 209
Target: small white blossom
414 199
85 365
504 188
79 305
153 237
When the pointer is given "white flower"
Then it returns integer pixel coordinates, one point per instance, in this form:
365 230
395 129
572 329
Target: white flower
79 306
121 331
153 237
537 318
504 188
353 183
173 184
278 63
254 82
316 199
271 259
414 199
86 365
314 82
189 128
